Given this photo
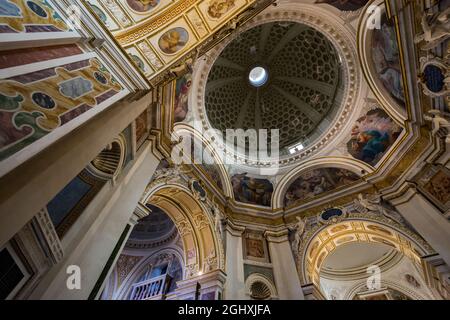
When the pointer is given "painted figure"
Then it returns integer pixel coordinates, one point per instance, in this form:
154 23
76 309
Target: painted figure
217 8
372 135
181 106
317 181
173 40
385 57
142 5
252 190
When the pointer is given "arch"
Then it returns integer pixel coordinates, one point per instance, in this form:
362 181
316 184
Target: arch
124 288
183 130
203 251
326 239
110 161
389 284
358 167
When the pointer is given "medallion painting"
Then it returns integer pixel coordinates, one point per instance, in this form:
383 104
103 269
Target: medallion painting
372 135
181 106
217 8
386 60
173 40
345 5
317 181
142 5
252 190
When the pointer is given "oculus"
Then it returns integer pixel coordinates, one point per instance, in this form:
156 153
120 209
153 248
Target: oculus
258 76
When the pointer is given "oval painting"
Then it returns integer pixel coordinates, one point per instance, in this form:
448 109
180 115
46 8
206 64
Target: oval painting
173 40
142 5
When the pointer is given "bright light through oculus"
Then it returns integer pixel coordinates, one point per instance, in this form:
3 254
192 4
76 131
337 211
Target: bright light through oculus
258 76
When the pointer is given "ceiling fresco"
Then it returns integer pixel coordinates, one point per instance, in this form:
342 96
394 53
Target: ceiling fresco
312 90
307 83
156 33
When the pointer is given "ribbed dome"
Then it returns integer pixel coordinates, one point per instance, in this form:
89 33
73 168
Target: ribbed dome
303 77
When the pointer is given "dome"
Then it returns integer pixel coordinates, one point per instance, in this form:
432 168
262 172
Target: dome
156 227
278 75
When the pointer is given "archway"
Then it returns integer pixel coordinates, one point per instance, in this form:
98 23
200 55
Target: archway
326 240
203 251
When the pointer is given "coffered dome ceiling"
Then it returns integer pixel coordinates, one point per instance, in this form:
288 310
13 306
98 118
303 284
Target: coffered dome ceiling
278 75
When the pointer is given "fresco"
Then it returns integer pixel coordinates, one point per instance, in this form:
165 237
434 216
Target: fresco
255 247
386 61
252 190
181 106
213 172
100 14
65 208
372 135
202 157
317 181
173 40
141 128
142 5
217 8
345 5
36 103
138 62
30 16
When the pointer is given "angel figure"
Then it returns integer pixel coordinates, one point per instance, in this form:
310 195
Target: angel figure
435 31
373 203
438 122
299 229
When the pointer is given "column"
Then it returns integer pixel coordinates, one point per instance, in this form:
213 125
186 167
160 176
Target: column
139 213
28 188
93 242
284 269
235 283
425 218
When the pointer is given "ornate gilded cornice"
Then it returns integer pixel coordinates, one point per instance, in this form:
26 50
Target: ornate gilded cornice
144 29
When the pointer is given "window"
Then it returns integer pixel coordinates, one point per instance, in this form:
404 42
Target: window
12 273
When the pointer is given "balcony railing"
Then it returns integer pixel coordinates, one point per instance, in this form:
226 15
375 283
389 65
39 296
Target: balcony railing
154 288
